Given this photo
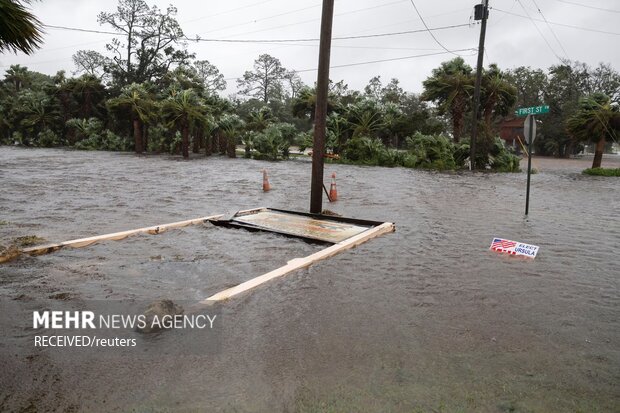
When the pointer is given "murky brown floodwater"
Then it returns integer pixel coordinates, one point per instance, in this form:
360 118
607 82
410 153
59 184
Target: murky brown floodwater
425 319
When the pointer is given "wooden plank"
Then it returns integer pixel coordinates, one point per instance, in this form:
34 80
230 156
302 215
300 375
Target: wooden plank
83 242
299 263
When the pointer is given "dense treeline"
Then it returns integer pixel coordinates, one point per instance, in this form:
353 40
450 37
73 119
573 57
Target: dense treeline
151 95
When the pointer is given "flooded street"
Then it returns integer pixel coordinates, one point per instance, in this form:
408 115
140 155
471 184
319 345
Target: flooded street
424 319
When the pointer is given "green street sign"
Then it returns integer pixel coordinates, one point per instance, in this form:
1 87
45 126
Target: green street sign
534 110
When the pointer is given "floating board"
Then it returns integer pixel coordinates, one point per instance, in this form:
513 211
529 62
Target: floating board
115 236
311 227
299 263
514 247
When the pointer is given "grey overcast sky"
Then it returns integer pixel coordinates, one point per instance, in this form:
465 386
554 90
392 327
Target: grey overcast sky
513 39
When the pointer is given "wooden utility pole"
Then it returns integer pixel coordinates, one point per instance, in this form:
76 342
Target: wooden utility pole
320 114
474 128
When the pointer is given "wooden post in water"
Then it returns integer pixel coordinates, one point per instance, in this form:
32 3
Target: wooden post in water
320 118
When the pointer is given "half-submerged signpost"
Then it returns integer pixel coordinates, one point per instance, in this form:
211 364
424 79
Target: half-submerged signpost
529 130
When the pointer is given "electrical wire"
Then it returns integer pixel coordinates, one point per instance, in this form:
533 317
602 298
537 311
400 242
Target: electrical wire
429 31
588 6
317 19
539 31
557 24
376 61
227 11
551 28
365 36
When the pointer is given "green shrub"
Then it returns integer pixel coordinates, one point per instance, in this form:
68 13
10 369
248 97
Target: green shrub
159 139
85 133
503 159
432 152
47 138
364 150
272 143
602 171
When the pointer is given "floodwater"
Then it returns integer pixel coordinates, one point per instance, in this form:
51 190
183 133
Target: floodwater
425 319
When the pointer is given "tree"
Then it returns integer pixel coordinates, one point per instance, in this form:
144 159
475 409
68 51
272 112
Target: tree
20 30
16 75
393 93
91 63
373 88
498 96
210 76
184 111
295 84
89 93
259 119
230 126
365 118
450 86
265 82
135 99
596 120
530 83
150 45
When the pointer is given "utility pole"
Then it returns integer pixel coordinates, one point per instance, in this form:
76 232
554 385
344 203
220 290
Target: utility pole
481 13
320 114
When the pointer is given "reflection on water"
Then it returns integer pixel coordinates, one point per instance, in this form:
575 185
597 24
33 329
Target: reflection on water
425 318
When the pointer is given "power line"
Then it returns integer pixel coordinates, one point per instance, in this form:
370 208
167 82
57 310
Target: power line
588 6
374 61
550 28
429 31
228 11
264 18
316 19
539 31
557 24
365 36
454 26
76 29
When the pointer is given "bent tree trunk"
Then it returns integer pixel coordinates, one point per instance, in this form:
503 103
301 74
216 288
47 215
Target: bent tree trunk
185 142
598 153
137 135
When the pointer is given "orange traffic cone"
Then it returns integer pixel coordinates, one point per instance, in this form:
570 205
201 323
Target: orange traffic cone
333 192
266 186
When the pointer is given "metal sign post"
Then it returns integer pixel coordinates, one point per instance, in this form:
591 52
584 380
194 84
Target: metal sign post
529 132
529 127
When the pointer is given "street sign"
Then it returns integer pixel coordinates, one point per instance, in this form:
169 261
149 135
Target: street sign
526 130
533 110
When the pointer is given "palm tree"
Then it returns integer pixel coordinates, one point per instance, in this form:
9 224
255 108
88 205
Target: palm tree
229 127
365 118
184 110
89 92
498 96
135 99
19 29
450 86
596 120
304 104
16 75
259 119
38 113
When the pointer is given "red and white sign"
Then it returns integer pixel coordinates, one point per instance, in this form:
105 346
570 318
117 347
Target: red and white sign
514 247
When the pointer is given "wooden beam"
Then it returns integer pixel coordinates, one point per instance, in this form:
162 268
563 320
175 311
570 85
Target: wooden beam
83 242
299 263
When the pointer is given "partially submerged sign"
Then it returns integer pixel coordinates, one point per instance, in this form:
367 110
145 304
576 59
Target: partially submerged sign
514 247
